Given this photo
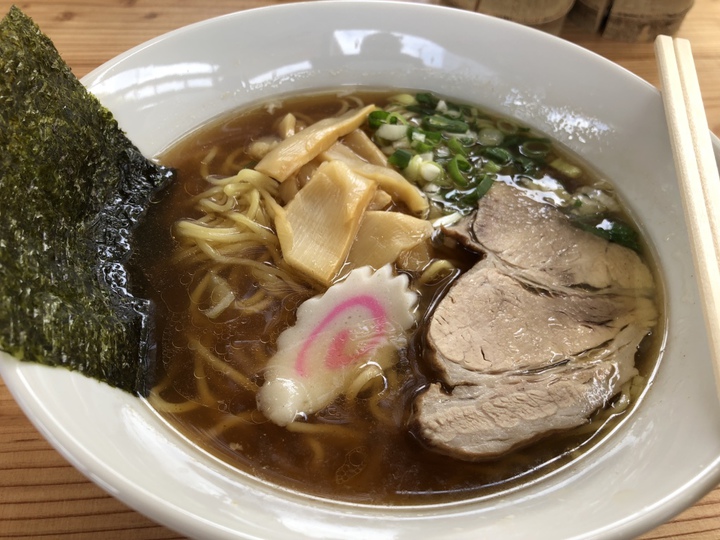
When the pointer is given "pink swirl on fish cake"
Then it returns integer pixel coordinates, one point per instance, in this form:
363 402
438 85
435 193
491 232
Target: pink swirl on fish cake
336 356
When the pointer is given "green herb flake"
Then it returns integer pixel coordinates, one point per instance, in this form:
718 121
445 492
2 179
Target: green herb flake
72 189
610 229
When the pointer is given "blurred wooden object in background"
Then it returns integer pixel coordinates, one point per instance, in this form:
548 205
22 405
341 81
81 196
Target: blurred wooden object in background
630 20
547 15
621 20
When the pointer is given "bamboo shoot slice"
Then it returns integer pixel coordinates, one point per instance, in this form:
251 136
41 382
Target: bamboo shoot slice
383 236
388 179
317 228
362 145
295 151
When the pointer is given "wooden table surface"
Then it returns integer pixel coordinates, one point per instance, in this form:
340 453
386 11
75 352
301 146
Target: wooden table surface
41 495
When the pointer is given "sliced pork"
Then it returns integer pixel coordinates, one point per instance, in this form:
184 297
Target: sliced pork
499 412
537 336
491 321
540 241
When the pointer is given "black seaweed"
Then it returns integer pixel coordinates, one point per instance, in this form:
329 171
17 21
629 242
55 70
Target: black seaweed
72 189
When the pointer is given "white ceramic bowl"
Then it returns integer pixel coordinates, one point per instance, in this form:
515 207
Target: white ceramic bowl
661 460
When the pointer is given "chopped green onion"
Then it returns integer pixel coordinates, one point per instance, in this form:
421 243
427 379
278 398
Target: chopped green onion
526 165
566 168
452 113
499 155
467 140
535 148
455 167
490 136
431 188
463 163
447 220
426 98
404 99
513 140
507 127
481 123
423 141
433 136
483 187
612 230
396 118
392 132
454 152
456 147
437 122
430 171
470 197
412 171
420 109
491 167
377 118
422 147
400 158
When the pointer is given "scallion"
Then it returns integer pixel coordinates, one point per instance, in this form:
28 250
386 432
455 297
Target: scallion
404 99
507 127
391 132
568 169
400 158
612 230
455 167
491 167
456 147
427 99
438 122
430 171
499 155
377 118
484 186
490 136
479 191
535 148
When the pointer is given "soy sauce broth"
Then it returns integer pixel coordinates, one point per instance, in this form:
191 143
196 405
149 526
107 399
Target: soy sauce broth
354 450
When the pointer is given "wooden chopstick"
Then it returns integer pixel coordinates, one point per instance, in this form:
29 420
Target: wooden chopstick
697 173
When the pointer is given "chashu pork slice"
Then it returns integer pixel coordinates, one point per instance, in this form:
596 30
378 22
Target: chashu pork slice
491 321
506 411
539 240
535 337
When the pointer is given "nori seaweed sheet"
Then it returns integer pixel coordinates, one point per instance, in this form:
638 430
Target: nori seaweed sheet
72 189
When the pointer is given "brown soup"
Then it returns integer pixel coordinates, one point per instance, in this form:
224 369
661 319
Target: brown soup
210 361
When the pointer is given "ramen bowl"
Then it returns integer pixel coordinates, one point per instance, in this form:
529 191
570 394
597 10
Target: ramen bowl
662 458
